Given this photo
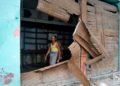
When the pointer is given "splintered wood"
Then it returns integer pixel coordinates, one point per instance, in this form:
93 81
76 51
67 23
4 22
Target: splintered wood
102 21
89 42
53 10
69 5
77 72
54 76
96 33
59 8
104 5
76 52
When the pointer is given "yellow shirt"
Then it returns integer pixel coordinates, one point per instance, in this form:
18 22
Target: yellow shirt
54 48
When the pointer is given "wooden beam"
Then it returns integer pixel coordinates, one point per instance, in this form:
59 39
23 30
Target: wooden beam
89 41
75 69
75 49
51 66
53 10
105 5
90 62
78 73
82 36
83 8
69 5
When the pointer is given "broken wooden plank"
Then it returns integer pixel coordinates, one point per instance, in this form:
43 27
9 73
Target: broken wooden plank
99 22
69 5
75 49
83 56
92 61
92 45
53 10
82 36
108 7
105 6
80 56
77 72
83 8
85 45
51 66
28 75
54 76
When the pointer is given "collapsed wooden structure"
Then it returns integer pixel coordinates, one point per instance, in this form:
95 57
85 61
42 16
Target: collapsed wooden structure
96 33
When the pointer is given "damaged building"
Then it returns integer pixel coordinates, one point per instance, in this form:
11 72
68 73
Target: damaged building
88 31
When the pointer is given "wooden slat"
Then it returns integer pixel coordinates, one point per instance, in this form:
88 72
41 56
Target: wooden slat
105 6
85 45
80 74
69 5
51 66
53 10
92 45
28 75
75 49
108 7
99 19
83 8
77 72
84 56
90 62
82 36
111 32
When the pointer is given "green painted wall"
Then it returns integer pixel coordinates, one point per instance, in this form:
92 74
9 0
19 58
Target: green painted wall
119 33
10 43
111 1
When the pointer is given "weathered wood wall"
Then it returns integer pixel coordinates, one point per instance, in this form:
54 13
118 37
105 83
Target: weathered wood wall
59 9
55 76
102 20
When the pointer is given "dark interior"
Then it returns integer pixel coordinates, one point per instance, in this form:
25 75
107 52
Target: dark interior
36 29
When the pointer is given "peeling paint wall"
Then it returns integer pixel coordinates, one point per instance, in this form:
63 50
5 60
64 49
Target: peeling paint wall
9 42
